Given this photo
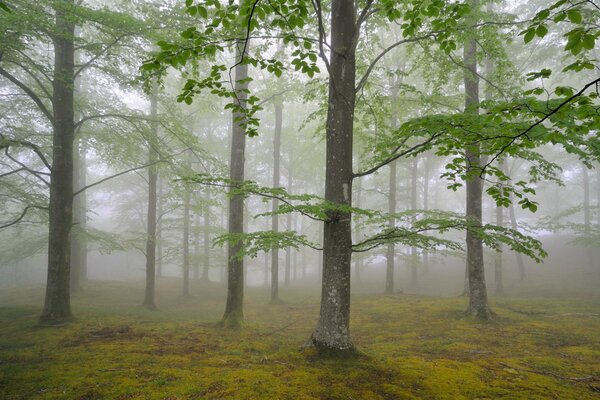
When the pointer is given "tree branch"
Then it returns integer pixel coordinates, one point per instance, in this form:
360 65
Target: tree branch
396 156
29 92
20 217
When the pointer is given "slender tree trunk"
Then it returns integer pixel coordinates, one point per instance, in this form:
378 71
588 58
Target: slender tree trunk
186 233
332 332
275 205
587 215
357 258
498 257
391 247
288 251
57 303
515 226
478 303
196 240
152 207
159 225
206 243
414 276
78 245
390 253
427 160
234 314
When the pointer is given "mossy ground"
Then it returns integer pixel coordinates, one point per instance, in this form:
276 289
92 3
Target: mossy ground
413 347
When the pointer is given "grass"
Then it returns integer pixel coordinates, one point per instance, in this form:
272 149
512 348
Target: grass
414 347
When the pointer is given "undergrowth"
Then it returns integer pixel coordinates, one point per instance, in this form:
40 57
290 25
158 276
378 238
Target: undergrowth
411 347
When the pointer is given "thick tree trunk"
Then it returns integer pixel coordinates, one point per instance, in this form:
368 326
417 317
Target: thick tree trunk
57 303
275 205
149 302
478 303
234 314
333 328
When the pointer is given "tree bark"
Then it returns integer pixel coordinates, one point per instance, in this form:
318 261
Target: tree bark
275 205
206 242
332 332
587 216
390 254
149 302
515 226
234 314
288 251
498 256
186 232
427 160
159 224
357 258
478 303
78 242
414 276
57 303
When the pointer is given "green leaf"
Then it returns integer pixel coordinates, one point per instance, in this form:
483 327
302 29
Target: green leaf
541 31
202 12
574 16
588 42
529 35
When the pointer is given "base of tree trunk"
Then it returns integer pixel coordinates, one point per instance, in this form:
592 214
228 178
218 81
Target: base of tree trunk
232 320
325 350
483 314
276 301
150 306
55 319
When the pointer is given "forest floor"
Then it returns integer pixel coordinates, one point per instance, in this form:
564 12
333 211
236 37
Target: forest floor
414 347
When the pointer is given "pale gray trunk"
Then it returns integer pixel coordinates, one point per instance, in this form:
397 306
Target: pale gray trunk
288 251
414 276
152 206
159 224
332 332
515 226
234 314
587 215
206 242
275 204
186 232
478 303
390 253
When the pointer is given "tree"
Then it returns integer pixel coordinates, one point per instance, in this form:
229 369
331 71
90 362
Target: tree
57 307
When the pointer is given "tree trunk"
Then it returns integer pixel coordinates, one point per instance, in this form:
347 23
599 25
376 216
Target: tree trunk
393 189
234 314
478 304
152 206
391 247
57 303
196 240
288 251
78 242
587 216
498 256
159 224
414 276
332 332
275 205
515 226
357 258
427 160
186 233
206 242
